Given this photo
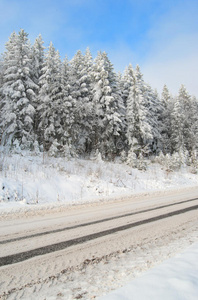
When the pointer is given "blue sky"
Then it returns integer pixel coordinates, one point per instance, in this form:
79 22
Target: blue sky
160 36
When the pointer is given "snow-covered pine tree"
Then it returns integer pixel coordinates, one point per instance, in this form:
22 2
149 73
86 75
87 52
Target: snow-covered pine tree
108 123
77 65
1 102
37 64
167 108
50 99
1 71
127 81
7 106
88 117
177 124
154 109
138 115
18 91
184 118
188 134
81 70
194 127
38 58
121 140
67 111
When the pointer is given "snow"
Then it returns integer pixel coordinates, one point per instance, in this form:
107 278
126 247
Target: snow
96 274
32 182
174 279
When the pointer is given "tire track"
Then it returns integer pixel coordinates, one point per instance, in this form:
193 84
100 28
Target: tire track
93 222
19 257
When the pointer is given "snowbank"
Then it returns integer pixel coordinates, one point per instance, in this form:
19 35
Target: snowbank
35 182
176 278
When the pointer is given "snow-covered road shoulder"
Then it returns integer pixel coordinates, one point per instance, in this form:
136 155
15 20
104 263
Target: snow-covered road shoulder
176 278
31 183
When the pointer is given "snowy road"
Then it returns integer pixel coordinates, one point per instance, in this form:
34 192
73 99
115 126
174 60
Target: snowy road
37 248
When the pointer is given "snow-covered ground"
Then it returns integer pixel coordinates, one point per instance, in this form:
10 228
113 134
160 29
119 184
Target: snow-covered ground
100 275
35 183
29 182
174 279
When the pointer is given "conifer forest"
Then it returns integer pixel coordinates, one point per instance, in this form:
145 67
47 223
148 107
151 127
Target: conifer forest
82 106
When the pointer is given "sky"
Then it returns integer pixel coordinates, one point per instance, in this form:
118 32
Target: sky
160 36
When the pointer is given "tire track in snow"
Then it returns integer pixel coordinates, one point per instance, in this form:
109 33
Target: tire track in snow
19 257
93 222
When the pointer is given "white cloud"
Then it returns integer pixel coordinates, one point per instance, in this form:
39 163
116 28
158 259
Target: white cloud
174 64
173 74
173 51
120 54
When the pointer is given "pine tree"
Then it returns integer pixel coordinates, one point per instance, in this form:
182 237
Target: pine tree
194 126
106 98
1 71
154 111
1 96
184 119
127 81
121 140
50 99
177 123
81 69
67 111
188 113
18 91
139 130
37 64
88 101
167 108
38 58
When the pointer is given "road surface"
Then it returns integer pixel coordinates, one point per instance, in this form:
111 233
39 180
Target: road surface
39 247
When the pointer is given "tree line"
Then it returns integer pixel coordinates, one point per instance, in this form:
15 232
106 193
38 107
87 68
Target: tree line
83 106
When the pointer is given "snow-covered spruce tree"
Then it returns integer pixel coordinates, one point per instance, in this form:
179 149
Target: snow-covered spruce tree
121 141
1 83
127 81
188 133
37 64
7 105
1 71
183 137
67 111
76 72
81 88
138 116
18 92
89 116
50 99
108 120
154 109
194 128
167 107
38 58
177 124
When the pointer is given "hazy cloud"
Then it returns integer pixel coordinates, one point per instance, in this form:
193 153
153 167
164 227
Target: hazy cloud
172 58
161 36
